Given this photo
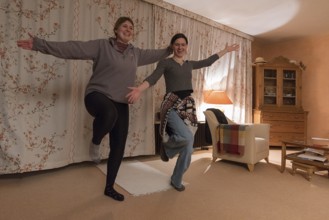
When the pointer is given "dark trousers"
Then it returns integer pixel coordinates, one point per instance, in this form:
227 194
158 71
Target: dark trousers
109 118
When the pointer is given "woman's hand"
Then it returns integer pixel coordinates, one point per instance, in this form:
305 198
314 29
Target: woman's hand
134 95
136 92
26 44
233 47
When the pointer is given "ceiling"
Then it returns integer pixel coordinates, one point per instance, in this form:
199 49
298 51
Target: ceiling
267 20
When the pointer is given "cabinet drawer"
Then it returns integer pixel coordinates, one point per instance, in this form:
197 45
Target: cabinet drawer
278 116
276 138
286 126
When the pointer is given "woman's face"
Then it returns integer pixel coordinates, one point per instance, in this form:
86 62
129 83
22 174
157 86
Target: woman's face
179 47
125 32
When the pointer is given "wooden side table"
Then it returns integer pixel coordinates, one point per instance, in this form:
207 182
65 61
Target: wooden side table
309 166
309 169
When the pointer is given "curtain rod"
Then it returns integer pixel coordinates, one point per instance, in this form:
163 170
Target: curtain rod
197 17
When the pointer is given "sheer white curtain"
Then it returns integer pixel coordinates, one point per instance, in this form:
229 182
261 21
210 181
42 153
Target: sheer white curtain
233 74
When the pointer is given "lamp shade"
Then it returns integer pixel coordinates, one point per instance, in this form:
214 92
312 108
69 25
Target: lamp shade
216 97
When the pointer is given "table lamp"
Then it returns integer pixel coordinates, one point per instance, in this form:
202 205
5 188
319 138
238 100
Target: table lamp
216 97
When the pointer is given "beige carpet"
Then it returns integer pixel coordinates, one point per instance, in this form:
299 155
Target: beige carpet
220 190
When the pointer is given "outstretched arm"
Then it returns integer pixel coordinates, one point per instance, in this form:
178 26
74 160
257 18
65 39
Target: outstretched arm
227 49
82 50
136 92
210 60
26 44
152 55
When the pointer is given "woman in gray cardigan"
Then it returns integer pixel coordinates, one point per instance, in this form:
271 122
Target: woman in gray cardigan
178 121
115 63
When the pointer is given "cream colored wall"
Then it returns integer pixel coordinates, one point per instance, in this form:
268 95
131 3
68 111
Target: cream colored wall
314 53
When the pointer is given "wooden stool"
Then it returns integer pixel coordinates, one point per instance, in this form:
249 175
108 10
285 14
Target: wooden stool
309 169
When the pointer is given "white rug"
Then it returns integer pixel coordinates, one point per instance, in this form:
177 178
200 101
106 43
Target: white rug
138 178
142 178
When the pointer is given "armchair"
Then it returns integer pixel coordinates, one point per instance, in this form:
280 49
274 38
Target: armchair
253 140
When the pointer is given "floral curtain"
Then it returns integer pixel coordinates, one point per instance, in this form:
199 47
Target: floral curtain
43 121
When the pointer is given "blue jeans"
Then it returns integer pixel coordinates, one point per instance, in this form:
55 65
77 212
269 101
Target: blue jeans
179 132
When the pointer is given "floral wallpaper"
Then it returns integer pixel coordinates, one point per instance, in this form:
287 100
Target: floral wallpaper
43 121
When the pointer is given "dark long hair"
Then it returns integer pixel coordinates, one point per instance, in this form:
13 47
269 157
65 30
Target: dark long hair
176 36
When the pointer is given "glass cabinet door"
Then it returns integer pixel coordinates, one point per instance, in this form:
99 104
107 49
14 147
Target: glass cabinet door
289 87
277 85
270 86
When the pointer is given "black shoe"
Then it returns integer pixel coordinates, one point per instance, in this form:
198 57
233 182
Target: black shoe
179 189
113 194
163 154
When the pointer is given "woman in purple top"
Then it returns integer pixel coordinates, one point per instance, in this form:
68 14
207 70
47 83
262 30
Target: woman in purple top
115 63
178 121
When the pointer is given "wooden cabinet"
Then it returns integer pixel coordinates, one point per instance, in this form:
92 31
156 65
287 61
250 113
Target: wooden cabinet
285 125
277 100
